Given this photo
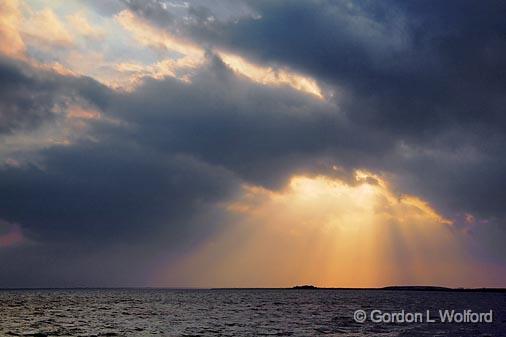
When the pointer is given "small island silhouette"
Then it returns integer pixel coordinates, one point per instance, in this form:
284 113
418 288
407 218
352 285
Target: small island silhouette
305 286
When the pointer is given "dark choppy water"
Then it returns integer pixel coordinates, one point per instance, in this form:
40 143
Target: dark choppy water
149 312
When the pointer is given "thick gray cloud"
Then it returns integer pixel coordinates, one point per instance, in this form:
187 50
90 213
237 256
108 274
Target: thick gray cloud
260 133
113 194
31 97
422 82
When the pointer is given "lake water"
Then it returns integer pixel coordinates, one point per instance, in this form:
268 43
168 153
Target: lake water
241 312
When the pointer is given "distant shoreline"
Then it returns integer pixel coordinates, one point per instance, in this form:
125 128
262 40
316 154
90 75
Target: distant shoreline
406 288
301 288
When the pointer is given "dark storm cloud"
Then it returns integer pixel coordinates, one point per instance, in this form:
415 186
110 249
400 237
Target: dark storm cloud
95 193
92 210
405 68
109 192
262 134
427 77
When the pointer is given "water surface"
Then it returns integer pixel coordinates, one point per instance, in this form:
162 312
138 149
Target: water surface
241 312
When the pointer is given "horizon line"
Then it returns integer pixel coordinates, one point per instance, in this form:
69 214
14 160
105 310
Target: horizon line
297 287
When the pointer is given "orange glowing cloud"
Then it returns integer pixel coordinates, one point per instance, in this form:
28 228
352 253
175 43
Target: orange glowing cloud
79 112
54 38
11 42
151 36
79 22
45 28
21 26
179 68
323 231
194 55
271 76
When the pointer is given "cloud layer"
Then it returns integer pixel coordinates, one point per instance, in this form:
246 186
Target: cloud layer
128 151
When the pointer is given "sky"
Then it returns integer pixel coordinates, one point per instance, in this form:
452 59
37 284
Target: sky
252 143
